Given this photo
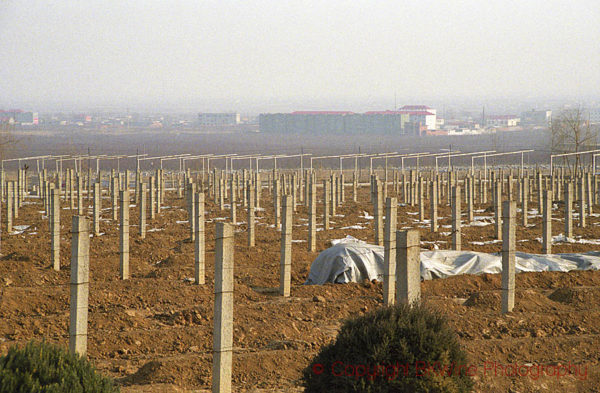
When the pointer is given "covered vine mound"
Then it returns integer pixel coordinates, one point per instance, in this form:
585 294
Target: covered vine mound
391 349
41 367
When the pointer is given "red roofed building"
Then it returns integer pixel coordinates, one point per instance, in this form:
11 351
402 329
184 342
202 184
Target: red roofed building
322 113
18 116
384 113
417 108
409 120
421 114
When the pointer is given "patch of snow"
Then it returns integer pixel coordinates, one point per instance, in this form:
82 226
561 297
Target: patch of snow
347 239
367 216
486 242
479 224
560 238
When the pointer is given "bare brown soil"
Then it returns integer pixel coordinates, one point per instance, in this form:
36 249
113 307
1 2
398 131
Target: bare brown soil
153 333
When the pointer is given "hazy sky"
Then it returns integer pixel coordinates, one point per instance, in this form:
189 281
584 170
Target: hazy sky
283 55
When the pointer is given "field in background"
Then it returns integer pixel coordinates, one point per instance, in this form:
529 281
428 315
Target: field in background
161 142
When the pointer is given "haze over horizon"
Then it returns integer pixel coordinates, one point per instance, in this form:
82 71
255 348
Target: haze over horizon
281 56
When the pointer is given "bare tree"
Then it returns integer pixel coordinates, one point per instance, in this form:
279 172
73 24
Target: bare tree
571 132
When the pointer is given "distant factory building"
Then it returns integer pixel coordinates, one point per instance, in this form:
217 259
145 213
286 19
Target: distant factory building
536 118
218 119
400 122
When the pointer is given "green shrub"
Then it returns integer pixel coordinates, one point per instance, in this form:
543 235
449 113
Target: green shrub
46 368
392 349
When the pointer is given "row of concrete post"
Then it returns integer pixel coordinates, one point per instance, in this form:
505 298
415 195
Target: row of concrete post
401 250
223 301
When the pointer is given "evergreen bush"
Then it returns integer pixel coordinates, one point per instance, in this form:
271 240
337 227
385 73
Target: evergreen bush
392 349
40 367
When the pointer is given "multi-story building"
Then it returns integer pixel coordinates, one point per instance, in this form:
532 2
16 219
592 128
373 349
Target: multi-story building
386 122
340 122
17 116
421 114
502 121
536 118
409 120
594 115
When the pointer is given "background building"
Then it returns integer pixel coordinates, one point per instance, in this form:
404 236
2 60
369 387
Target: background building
536 118
502 121
410 120
339 122
421 114
18 116
594 115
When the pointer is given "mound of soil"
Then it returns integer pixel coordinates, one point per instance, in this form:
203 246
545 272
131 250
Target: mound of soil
488 299
582 297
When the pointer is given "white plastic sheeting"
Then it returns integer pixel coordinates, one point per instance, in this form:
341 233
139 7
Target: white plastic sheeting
19 229
348 260
443 263
353 260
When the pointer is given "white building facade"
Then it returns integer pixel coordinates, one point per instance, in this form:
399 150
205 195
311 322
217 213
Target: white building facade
421 114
